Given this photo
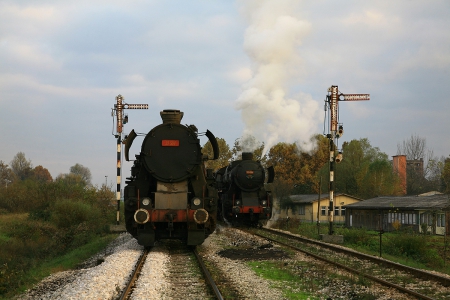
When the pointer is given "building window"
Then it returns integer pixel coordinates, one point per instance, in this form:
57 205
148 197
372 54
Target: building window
301 210
323 210
342 211
441 220
336 210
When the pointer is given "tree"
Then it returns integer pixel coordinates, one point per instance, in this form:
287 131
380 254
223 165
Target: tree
224 154
21 166
42 174
7 176
83 172
365 171
285 159
298 168
414 148
446 175
379 180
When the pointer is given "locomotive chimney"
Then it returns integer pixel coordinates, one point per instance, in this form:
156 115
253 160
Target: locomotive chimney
171 116
247 156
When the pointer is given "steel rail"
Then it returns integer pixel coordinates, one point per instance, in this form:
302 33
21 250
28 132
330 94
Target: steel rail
208 276
445 281
376 279
134 276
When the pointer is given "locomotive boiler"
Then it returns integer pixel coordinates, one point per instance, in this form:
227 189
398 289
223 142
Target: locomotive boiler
170 194
244 199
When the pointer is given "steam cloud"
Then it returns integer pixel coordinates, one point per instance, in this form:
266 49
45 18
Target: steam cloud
271 41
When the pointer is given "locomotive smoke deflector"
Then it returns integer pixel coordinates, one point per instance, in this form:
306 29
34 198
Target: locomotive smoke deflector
128 141
214 144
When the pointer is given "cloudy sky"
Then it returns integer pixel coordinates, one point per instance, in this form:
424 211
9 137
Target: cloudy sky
245 67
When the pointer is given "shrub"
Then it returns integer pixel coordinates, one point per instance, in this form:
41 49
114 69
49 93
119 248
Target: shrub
66 213
412 246
356 236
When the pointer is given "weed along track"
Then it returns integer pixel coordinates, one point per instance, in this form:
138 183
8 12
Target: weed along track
410 281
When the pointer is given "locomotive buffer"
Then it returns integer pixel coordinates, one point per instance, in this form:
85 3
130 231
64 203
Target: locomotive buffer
336 130
121 120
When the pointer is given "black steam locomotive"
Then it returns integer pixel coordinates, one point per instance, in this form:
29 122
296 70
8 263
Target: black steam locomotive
170 194
243 197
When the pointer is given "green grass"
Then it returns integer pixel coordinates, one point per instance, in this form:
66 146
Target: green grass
291 285
424 252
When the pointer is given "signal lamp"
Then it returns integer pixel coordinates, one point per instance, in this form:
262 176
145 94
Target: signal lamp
339 157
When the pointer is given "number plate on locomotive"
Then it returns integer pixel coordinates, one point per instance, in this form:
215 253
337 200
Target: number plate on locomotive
170 143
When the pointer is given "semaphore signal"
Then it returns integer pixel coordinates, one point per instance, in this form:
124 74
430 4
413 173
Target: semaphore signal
336 130
120 121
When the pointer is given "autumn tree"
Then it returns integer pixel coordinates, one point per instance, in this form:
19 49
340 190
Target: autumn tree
285 159
225 154
42 174
297 167
21 167
312 161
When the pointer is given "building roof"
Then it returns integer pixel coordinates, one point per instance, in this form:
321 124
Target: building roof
311 198
432 202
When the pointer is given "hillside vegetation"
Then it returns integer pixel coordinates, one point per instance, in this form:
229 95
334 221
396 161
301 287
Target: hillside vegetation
41 221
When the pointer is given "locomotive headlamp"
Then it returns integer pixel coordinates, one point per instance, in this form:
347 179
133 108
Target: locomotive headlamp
146 201
264 202
141 216
238 202
197 201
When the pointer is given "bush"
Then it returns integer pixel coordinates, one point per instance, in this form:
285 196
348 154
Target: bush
412 246
66 213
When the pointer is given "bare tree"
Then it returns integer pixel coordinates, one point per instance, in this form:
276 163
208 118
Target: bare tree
414 148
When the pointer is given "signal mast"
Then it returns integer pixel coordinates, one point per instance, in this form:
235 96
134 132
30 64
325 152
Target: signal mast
336 130
121 120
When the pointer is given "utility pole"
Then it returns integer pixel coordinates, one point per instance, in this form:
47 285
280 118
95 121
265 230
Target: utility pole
121 120
336 130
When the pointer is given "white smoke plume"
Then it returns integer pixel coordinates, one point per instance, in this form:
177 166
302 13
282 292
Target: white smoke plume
271 41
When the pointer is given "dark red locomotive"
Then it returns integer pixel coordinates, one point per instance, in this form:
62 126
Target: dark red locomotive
243 196
170 194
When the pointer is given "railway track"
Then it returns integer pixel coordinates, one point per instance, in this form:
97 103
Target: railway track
186 274
417 283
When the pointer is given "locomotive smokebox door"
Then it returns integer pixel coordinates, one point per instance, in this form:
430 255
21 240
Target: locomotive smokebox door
171 152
